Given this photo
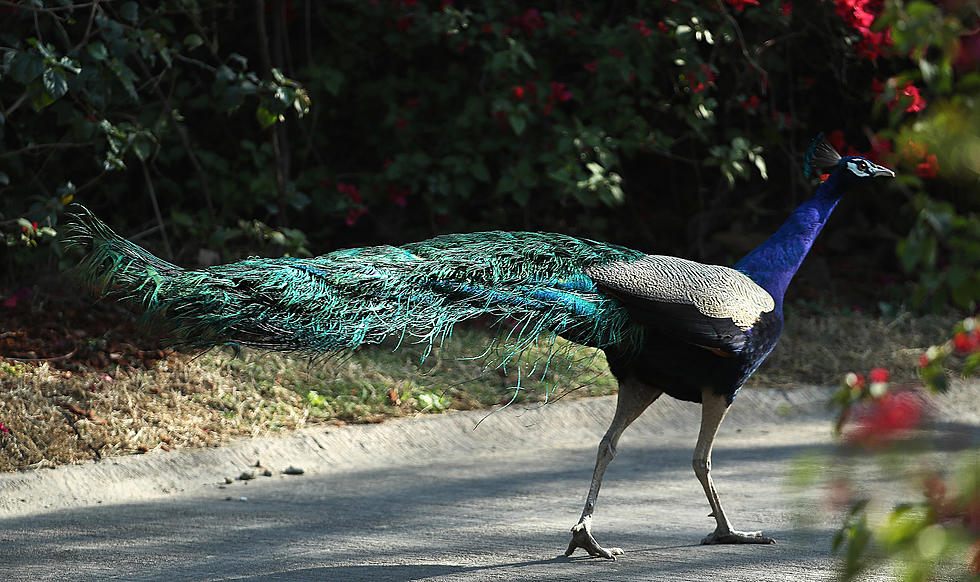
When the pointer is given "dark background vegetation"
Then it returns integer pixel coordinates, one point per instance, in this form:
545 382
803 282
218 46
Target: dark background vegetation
211 130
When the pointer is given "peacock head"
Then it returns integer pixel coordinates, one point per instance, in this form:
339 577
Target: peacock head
822 158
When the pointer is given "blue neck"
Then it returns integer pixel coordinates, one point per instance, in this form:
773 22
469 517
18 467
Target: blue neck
773 264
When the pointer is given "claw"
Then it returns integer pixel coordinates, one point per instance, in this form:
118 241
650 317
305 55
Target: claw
737 537
582 538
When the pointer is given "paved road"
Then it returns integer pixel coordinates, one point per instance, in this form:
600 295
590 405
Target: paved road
433 499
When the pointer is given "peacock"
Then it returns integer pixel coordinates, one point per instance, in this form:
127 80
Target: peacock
667 325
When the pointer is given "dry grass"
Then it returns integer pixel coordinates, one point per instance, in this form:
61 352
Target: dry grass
57 417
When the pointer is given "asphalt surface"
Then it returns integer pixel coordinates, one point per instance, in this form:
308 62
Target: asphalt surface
433 498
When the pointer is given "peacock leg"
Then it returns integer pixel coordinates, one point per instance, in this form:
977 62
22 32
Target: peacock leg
634 397
713 409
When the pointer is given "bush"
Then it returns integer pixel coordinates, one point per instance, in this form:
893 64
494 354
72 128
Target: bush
664 125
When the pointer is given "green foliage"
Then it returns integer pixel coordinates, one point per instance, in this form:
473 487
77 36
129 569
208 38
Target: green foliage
943 251
934 530
667 126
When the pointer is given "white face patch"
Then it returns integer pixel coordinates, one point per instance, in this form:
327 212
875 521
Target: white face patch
864 169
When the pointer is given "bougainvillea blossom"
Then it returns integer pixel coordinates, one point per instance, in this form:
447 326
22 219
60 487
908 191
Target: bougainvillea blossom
739 5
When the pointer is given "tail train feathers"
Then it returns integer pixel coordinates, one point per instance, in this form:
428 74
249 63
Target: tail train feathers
529 283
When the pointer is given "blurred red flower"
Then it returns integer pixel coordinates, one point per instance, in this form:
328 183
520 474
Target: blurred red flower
886 418
879 375
966 343
928 168
910 97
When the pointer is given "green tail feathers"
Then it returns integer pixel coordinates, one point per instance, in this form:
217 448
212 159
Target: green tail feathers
529 283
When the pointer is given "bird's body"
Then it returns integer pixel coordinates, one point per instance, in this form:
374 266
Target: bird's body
668 325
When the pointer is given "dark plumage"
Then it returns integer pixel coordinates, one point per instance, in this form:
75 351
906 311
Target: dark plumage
668 325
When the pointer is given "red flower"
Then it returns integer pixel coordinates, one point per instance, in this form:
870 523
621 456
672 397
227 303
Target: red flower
909 94
966 343
786 8
411 103
877 87
615 52
642 28
662 27
486 28
886 418
591 66
400 123
928 168
529 21
353 214
860 15
739 5
924 360
517 92
750 104
560 92
398 195
879 375
3 428
577 16
351 191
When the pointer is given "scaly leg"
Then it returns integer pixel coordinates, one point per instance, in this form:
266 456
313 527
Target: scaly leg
713 409
634 397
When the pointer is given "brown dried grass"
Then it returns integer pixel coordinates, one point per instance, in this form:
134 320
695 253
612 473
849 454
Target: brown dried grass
57 416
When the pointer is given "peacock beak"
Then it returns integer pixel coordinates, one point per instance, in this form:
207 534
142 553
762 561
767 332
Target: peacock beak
882 172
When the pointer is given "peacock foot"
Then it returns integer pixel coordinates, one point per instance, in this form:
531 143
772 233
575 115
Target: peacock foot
582 538
737 537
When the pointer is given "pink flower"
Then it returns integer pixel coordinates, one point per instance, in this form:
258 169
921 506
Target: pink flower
860 15
3 428
398 195
560 92
529 21
739 5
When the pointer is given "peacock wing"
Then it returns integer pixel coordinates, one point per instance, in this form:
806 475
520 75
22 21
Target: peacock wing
710 306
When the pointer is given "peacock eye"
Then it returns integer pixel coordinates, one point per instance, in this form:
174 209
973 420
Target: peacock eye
862 166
